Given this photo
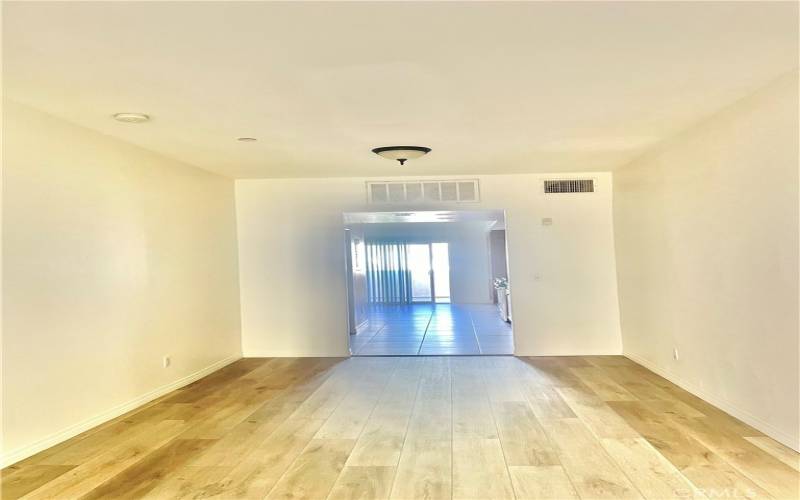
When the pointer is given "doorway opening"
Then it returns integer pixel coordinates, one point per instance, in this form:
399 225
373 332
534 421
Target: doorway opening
428 283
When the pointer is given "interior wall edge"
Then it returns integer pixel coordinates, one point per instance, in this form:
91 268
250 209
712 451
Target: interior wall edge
13 456
787 439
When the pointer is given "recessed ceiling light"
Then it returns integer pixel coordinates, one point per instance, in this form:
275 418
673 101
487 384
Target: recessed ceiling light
131 117
401 153
246 139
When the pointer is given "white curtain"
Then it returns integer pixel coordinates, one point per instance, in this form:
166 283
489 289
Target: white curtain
388 276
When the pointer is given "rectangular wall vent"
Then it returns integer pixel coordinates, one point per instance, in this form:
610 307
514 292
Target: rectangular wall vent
452 191
569 186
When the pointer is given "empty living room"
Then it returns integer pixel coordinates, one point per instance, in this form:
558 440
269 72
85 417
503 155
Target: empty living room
471 250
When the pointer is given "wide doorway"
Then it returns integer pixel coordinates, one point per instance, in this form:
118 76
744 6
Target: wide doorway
428 283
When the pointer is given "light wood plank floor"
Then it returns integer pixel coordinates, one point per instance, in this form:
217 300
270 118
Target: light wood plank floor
424 427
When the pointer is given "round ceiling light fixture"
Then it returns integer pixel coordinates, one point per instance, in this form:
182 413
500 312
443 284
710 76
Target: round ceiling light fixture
131 117
401 153
246 139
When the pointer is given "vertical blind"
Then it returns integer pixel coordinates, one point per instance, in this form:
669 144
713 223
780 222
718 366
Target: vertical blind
388 275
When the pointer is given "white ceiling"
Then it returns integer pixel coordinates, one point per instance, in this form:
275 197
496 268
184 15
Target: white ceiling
491 87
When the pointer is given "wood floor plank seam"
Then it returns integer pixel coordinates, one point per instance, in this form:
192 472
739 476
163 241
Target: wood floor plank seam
452 427
300 454
479 428
622 468
497 428
710 461
427 443
611 459
775 490
388 401
317 379
405 434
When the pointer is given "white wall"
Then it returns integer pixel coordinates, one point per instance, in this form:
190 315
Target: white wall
707 252
468 248
291 245
113 256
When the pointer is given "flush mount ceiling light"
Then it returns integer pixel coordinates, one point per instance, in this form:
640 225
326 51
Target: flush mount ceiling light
246 139
131 117
401 153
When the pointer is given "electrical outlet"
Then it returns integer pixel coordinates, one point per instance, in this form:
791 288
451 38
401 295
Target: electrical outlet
166 361
675 354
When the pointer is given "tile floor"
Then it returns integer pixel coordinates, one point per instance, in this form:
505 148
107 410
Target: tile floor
433 330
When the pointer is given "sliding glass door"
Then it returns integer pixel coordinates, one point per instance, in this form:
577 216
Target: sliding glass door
440 269
419 263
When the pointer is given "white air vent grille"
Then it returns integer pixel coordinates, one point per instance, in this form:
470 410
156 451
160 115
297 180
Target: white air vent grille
569 186
397 193
432 191
378 193
449 191
452 191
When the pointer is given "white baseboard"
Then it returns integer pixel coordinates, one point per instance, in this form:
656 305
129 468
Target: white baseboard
14 456
572 352
256 353
792 441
